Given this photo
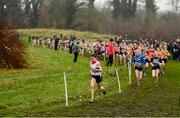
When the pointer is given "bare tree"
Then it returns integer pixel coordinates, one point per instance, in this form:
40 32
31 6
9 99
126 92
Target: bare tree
124 8
2 9
175 5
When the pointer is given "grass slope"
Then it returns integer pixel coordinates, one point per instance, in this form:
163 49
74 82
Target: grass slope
146 101
39 89
52 32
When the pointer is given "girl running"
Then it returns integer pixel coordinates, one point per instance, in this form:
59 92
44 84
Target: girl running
122 56
138 61
155 63
160 55
166 54
96 72
144 62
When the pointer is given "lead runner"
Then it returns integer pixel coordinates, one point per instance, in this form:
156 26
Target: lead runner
96 72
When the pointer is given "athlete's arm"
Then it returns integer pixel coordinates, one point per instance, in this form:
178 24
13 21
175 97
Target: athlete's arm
133 62
99 68
168 54
152 62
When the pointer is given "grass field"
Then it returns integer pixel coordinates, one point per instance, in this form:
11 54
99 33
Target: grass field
41 86
52 32
39 89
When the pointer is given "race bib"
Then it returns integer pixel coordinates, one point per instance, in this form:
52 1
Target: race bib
156 61
138 64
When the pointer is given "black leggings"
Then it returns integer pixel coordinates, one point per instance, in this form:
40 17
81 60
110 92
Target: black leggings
75 56
110 60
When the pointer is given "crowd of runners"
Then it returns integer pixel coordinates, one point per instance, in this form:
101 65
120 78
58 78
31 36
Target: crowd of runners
99 47
143 53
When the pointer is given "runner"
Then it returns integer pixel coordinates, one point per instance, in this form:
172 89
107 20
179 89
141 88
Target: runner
138 60
155 63
166 54
160 55
34 41
96 72
76 49
144 61
110 52
122 56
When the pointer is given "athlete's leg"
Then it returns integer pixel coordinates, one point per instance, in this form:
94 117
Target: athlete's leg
136 73
153 73
124 59
140 75
147 64
120 59
92 88
101 87
157 76
163 67
137 77
146 68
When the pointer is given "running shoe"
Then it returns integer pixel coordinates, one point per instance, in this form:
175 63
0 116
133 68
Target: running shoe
104 92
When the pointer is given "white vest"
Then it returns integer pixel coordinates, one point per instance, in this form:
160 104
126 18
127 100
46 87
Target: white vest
94 67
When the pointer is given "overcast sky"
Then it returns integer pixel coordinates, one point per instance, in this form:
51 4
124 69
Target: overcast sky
164 5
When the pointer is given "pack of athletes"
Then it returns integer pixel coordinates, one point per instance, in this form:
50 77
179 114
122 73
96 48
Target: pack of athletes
155 62
139 61
95 72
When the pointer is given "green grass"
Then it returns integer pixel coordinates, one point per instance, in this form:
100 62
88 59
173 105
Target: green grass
39 89
149 100
58 32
